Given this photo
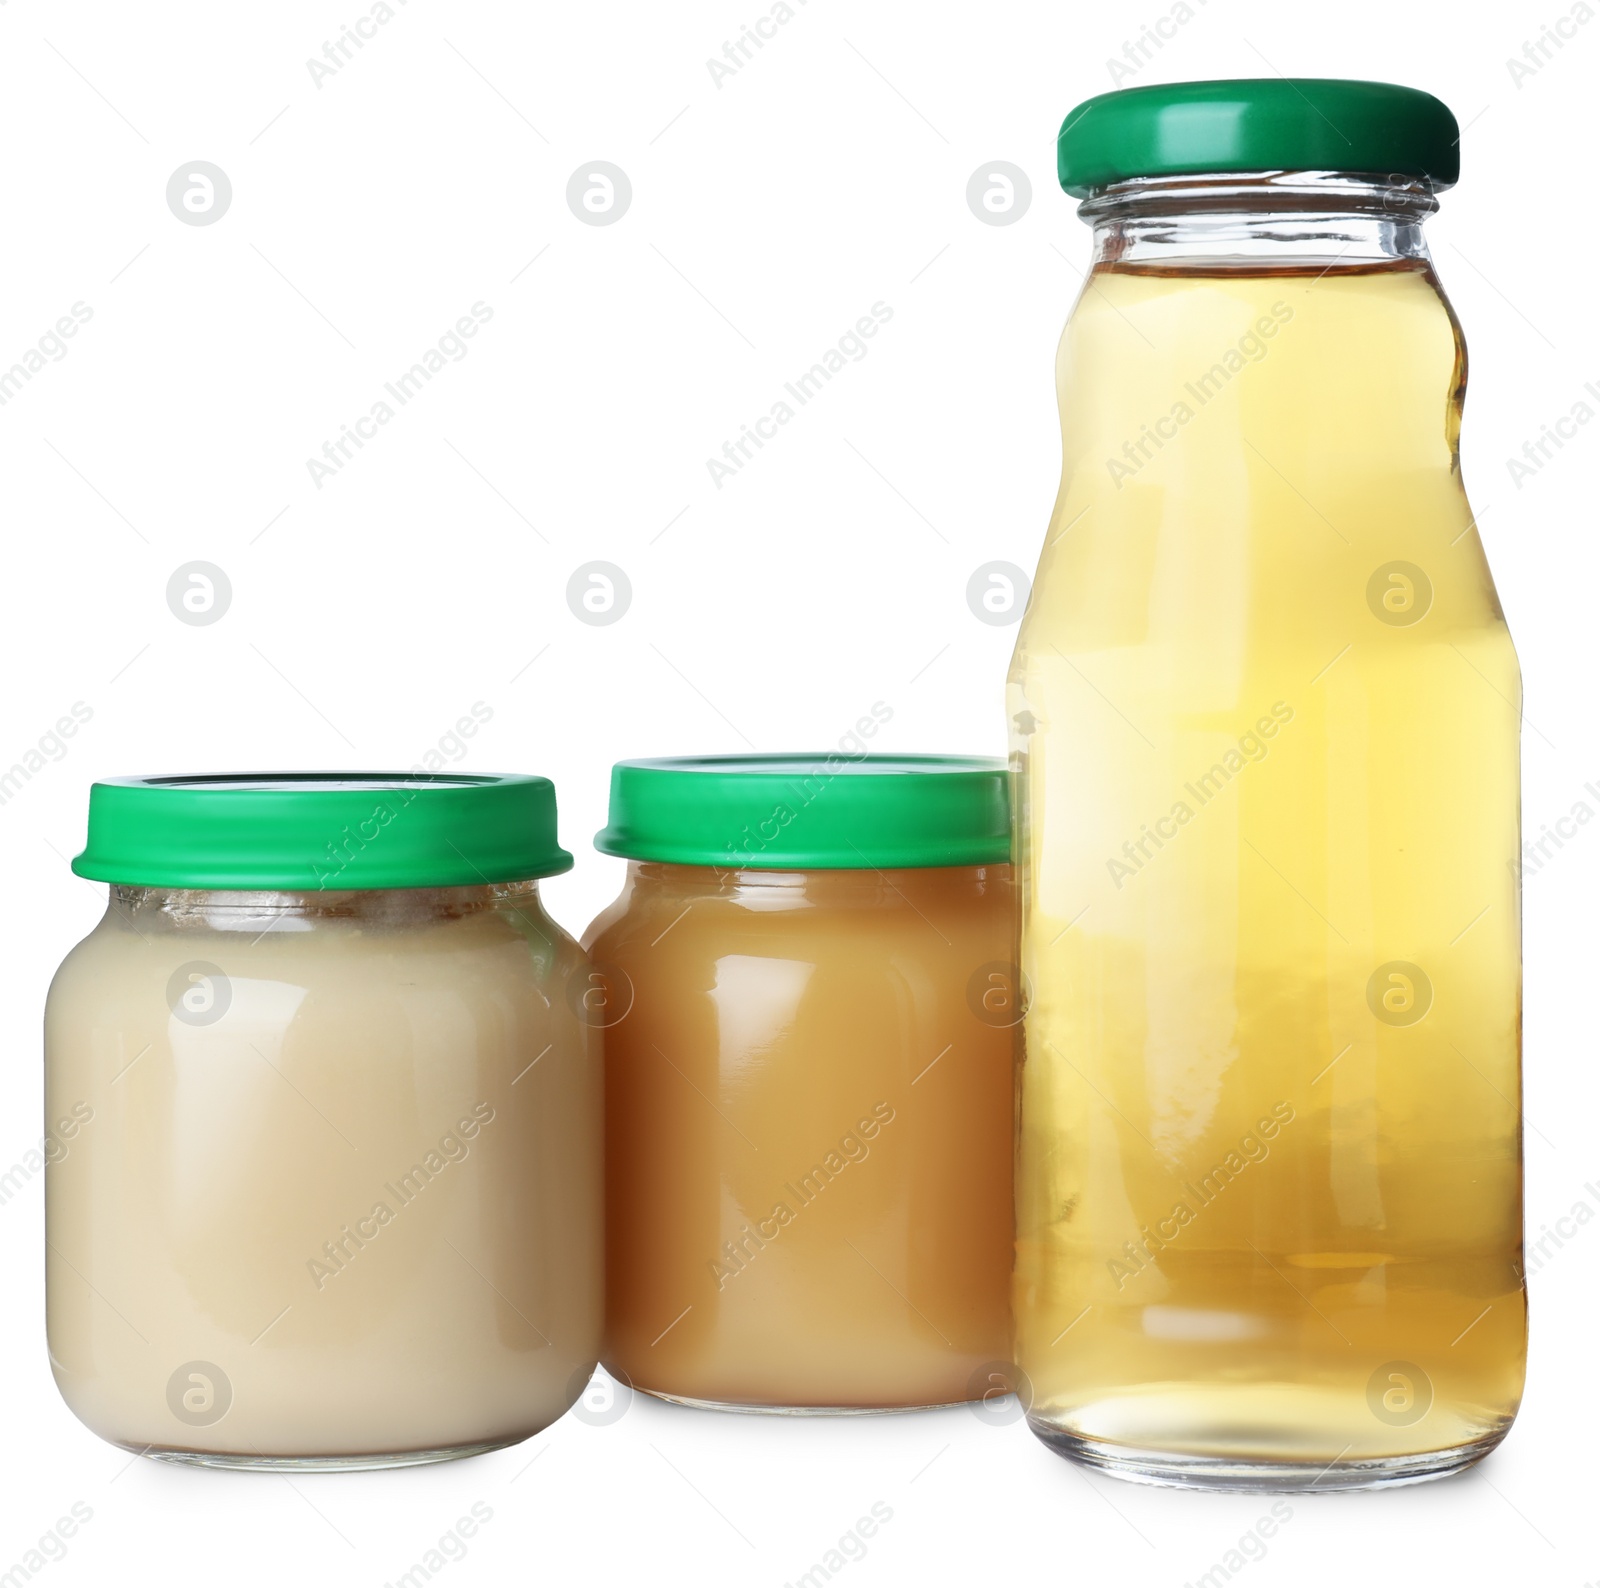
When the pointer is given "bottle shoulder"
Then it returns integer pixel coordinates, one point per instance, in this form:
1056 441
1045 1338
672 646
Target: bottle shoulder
1248 450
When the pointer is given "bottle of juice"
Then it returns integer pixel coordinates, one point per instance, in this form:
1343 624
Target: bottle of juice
1265 715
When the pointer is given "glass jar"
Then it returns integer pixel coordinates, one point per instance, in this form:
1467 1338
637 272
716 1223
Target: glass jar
807 999
337 1204
1265 713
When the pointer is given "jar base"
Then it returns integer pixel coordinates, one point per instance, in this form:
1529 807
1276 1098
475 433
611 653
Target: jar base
377 1462
758 1409
1241 1474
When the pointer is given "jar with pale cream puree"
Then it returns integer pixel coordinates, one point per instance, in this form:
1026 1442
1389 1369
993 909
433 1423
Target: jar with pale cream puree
807 998
333 1195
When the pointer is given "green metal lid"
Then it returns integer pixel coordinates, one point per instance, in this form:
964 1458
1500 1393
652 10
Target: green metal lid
1258 124
304 831
828 811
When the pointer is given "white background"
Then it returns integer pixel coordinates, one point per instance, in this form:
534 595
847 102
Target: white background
768 214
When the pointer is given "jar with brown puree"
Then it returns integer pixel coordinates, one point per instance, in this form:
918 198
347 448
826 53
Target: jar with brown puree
807 999
337 1199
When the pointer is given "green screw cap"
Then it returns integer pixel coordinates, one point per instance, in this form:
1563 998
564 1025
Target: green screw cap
1258 124
305 831
827 811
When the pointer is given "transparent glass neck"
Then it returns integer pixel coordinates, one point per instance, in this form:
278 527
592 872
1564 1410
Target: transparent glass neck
868 888
150 911
1259 219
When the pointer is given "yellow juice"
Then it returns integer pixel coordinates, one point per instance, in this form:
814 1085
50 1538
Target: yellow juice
1265 716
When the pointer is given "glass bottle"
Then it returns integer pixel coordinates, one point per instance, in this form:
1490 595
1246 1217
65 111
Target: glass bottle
325 1187
1265 714
803 999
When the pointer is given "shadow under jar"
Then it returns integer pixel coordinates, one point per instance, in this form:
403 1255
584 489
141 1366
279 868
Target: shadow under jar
332 1195
807 995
